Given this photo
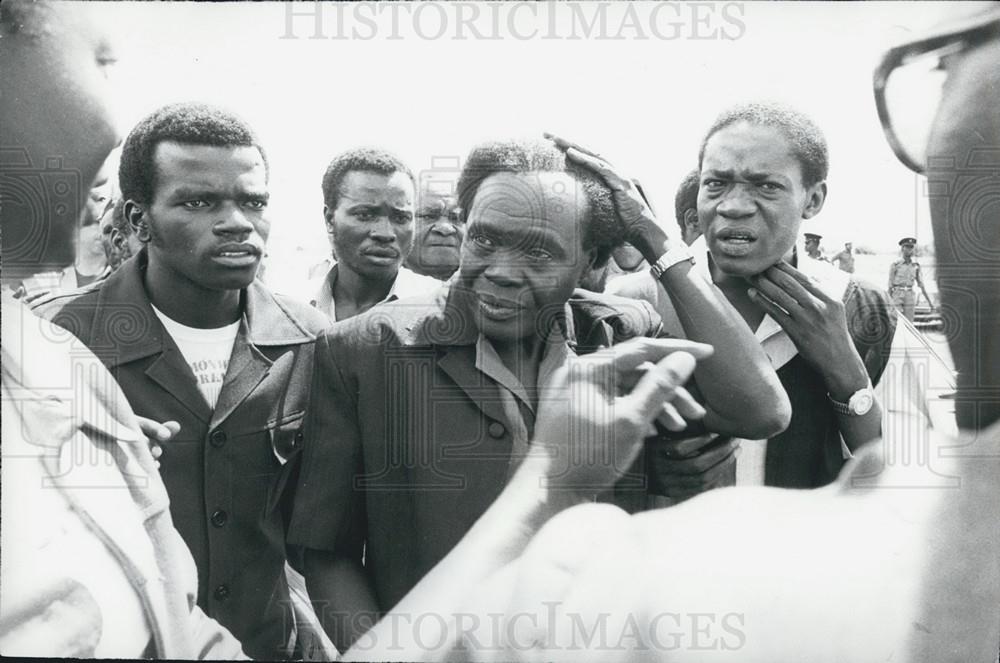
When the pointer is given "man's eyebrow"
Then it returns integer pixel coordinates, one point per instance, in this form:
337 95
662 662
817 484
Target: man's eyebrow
256 195
760 176
193 192
532 234
379 206
750 176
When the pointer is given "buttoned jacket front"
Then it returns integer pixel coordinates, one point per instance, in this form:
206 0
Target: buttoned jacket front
413 442
227 470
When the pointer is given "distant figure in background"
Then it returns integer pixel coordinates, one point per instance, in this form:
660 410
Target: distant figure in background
438 233
812 246
686 207
91 260
845 259
903 274
120 243
368 206
626 259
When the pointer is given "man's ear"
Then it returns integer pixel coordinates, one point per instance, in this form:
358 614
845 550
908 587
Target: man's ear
816 196
691 219
328 218
136 218
118 241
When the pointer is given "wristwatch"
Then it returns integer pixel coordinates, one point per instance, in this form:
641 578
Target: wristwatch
857 405
676 254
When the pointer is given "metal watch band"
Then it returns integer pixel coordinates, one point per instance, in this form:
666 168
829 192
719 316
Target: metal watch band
838 407
676 254
864 395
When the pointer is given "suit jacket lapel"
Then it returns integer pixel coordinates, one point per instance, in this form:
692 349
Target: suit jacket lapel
459 362
125 329
453 333
247 368
174 376
265 323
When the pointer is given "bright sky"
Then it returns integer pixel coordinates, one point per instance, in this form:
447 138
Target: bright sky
643 103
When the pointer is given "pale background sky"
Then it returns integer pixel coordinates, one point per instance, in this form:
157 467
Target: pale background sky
644 104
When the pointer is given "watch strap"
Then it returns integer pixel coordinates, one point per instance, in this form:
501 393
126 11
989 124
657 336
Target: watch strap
845 408
676 254
838 407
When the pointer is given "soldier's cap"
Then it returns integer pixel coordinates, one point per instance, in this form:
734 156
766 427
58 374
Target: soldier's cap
908 241
814 236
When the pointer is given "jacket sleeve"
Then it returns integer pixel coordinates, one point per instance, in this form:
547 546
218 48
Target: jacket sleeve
329 512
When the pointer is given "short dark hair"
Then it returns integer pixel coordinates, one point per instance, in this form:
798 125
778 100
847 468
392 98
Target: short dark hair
687 196
604 232
185 123
808 143
365 159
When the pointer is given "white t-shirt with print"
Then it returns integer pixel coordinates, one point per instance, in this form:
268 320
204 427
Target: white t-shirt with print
206 351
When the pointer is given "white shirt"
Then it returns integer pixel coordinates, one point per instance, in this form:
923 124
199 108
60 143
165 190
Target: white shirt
407 284
914 374
206 352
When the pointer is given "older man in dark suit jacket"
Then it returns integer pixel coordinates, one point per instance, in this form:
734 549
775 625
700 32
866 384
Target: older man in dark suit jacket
430 404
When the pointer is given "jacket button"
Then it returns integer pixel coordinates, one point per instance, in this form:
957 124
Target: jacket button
299 436
217 438
496 429
219 518
222 592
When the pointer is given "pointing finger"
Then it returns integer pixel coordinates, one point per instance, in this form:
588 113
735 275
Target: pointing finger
659 385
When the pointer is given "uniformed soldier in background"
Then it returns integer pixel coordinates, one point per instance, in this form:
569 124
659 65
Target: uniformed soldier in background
812 246
845 259
903 274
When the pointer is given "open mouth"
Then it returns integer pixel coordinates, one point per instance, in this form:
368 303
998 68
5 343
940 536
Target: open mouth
735 241
497 308
238 255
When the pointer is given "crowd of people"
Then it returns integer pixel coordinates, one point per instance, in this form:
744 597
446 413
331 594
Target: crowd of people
521 394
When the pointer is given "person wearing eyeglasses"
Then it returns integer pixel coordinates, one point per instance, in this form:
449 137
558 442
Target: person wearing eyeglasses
874 567
937 99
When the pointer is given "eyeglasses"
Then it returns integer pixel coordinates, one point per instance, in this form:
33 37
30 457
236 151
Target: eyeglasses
909 81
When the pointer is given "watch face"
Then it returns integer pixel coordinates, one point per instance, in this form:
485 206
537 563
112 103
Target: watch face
861 402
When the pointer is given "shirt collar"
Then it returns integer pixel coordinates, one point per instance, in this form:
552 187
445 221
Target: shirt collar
124 318
773 339
555 353
406 284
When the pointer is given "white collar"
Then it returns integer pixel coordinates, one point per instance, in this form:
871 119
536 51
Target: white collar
773 339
